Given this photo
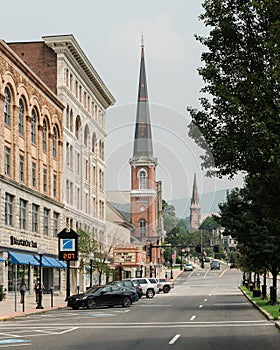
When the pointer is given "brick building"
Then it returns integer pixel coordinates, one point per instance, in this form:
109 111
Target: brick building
31 160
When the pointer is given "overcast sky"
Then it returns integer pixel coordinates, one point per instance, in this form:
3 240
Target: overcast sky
109 32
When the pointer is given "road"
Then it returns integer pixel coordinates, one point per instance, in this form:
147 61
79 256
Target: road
204 311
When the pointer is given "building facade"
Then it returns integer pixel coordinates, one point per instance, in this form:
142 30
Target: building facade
31 159
62 65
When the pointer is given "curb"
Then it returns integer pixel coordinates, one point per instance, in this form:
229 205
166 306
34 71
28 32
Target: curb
30 312
267 315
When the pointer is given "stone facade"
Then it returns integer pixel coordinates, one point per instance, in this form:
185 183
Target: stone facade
31 157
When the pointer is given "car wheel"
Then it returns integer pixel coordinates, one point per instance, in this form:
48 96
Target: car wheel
75 307
126 302
91 303
149 293
166 289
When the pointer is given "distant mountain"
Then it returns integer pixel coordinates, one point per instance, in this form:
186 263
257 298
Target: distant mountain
208 201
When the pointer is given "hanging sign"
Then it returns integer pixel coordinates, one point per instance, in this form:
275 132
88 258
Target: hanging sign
68 245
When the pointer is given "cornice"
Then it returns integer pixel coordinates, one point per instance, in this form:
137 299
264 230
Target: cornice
67 45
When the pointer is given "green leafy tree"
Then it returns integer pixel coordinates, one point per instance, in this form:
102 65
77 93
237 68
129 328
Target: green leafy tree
238 125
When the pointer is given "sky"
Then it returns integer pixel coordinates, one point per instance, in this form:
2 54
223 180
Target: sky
109 32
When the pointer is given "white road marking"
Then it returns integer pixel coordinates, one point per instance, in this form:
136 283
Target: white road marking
200 306
193 318
173 340
205 299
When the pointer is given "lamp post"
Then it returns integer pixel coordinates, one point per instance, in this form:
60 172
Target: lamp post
171 272
141 265
121 261
41 251
151 269
90 256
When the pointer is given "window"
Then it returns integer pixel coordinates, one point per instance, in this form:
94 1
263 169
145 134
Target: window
67 191
7 160
78 164
7 106
55 223
93 143
9 200
22 214
44 136
86 170
21 168
21 117
46 221
77 127
34 174
54 142
33 126
71 193
45 180
142 180
35 218
54 186
142 225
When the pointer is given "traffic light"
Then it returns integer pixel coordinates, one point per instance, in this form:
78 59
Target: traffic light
198 249
216 248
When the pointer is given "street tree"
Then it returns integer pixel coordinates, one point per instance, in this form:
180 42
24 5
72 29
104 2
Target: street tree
238 124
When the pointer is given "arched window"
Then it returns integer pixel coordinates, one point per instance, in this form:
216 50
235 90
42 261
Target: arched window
21 117
54 142
142 226
7 106
86 136
33 126
44 137
71 120
142 180
93 143
77 127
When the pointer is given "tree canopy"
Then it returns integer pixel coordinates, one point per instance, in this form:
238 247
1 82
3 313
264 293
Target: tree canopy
239 122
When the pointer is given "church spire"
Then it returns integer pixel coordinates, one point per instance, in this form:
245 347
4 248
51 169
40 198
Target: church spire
195 197
143 147
195 214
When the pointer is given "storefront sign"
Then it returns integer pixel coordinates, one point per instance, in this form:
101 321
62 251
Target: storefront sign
22 242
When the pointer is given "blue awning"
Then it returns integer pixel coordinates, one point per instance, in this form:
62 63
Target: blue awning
56 263
22 259
51 262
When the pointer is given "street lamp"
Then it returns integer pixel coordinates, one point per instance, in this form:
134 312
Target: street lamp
151 269
41 250
141 265
90 256
171 272
121 261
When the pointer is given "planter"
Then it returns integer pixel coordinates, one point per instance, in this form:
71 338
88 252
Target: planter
256 293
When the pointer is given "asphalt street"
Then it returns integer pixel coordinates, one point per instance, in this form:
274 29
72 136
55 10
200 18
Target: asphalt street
205 310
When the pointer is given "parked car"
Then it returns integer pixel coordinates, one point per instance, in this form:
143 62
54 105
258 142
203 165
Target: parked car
134 285
165 284
207 259
101 296
149 286
215 265
188 267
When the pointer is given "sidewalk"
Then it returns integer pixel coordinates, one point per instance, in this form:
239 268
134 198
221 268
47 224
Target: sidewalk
10 308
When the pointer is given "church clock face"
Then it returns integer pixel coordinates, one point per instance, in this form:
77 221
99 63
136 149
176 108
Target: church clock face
142 208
